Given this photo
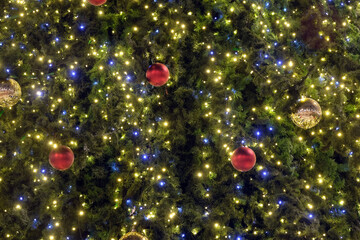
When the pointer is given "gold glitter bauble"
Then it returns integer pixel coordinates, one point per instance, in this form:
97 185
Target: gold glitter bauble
10 93
307 113
133 236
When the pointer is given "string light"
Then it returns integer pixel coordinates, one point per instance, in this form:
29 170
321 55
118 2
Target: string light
281 27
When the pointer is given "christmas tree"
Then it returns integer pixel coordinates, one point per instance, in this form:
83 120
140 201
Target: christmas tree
158 159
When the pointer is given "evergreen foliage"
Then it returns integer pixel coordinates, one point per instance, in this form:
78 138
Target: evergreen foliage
157 159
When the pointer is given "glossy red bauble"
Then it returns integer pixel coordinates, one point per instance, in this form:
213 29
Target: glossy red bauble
243 159
157 74
61 158
97 2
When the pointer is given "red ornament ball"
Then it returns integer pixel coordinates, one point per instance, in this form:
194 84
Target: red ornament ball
157 74
243 159
97 2
61 158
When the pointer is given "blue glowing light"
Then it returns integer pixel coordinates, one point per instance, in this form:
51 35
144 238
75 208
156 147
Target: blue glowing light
114 167
35 223
21 198
257 133
180 209
238 186
265 173
270 128
43 170
144 156
279 63
280 202
128 202
206 140
266 56
57 39
82 27
310 215
64 112
136 133
162 183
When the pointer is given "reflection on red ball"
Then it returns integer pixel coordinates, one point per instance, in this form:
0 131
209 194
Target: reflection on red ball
157 74
97 2
243 159
61 158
